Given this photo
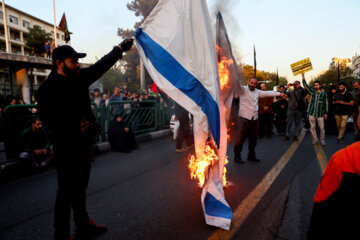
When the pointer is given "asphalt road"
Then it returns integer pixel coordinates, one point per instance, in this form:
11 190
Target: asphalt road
148 194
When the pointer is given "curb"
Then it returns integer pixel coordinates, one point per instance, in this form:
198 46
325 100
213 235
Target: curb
105 146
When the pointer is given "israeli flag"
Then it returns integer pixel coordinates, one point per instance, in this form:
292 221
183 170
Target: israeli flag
176 45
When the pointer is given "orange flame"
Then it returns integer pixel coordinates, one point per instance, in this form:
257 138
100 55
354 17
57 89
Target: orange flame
223 69
199 167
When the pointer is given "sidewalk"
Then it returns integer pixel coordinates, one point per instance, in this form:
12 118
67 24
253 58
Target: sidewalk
97 148
105 146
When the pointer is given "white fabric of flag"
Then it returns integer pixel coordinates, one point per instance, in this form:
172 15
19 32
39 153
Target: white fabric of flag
176 45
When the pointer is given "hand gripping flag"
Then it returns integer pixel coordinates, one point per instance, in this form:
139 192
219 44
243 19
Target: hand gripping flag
176 45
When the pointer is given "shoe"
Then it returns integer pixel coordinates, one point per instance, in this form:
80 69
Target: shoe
286 138
340 140
188 148
89 229
237 159
62 237
254 159
180 150
323 144
314 142
296 138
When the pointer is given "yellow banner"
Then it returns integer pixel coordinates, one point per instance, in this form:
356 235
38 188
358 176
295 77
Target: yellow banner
301 66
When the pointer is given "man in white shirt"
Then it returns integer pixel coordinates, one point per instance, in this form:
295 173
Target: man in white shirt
247 121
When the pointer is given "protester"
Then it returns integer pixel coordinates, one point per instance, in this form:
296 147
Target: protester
121 137
35 145
234 112
355 93
336 203
47 49
247 121
296 109
265 114
343 108
317 110
280 113
96 97
330 123
73 133
184 134
104 101
117 107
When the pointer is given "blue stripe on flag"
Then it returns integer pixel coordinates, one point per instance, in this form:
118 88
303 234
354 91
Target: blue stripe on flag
215 208
178 76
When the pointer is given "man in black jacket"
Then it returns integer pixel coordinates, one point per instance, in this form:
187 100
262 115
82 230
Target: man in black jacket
71 121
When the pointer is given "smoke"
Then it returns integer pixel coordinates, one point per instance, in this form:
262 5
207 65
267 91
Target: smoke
231 24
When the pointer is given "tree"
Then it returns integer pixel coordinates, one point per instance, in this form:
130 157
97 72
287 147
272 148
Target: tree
141 8
270 78
330 78
36 39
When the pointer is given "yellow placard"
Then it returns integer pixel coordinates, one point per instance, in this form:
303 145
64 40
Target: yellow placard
301 66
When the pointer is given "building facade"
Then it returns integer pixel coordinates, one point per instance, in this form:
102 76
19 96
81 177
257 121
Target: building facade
356 66
18 24
343 63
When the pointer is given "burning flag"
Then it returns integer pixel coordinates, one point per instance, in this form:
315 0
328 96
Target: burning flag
175 43
228 71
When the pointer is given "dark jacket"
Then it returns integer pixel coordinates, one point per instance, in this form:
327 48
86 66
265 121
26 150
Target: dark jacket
336 208
341 109
64 114
119 139
295 97
31 140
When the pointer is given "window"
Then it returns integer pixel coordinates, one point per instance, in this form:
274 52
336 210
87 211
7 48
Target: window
26 24
1 15
14 19
57 36
62 37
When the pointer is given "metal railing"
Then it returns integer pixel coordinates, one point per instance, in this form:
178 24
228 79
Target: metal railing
142 117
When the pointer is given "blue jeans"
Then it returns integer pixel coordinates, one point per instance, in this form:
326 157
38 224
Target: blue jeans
293 117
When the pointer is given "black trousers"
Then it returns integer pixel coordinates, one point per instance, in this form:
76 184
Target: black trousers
184 133
265 124
73 172
246 129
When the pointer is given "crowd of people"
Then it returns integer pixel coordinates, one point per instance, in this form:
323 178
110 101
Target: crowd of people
257 113
254 114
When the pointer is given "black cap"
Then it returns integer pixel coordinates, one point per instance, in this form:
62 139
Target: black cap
65 51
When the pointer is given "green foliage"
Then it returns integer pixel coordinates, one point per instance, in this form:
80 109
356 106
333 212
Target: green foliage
141 8
248 71
121 77
330 78
36 39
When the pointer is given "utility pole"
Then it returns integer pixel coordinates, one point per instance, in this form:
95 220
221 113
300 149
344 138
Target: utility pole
55 28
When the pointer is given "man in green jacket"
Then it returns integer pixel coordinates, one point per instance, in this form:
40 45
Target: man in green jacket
317 110
35 145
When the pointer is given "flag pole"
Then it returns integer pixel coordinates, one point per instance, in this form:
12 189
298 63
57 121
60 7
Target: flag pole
338 73
55 32
277 77
5 28
254 61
